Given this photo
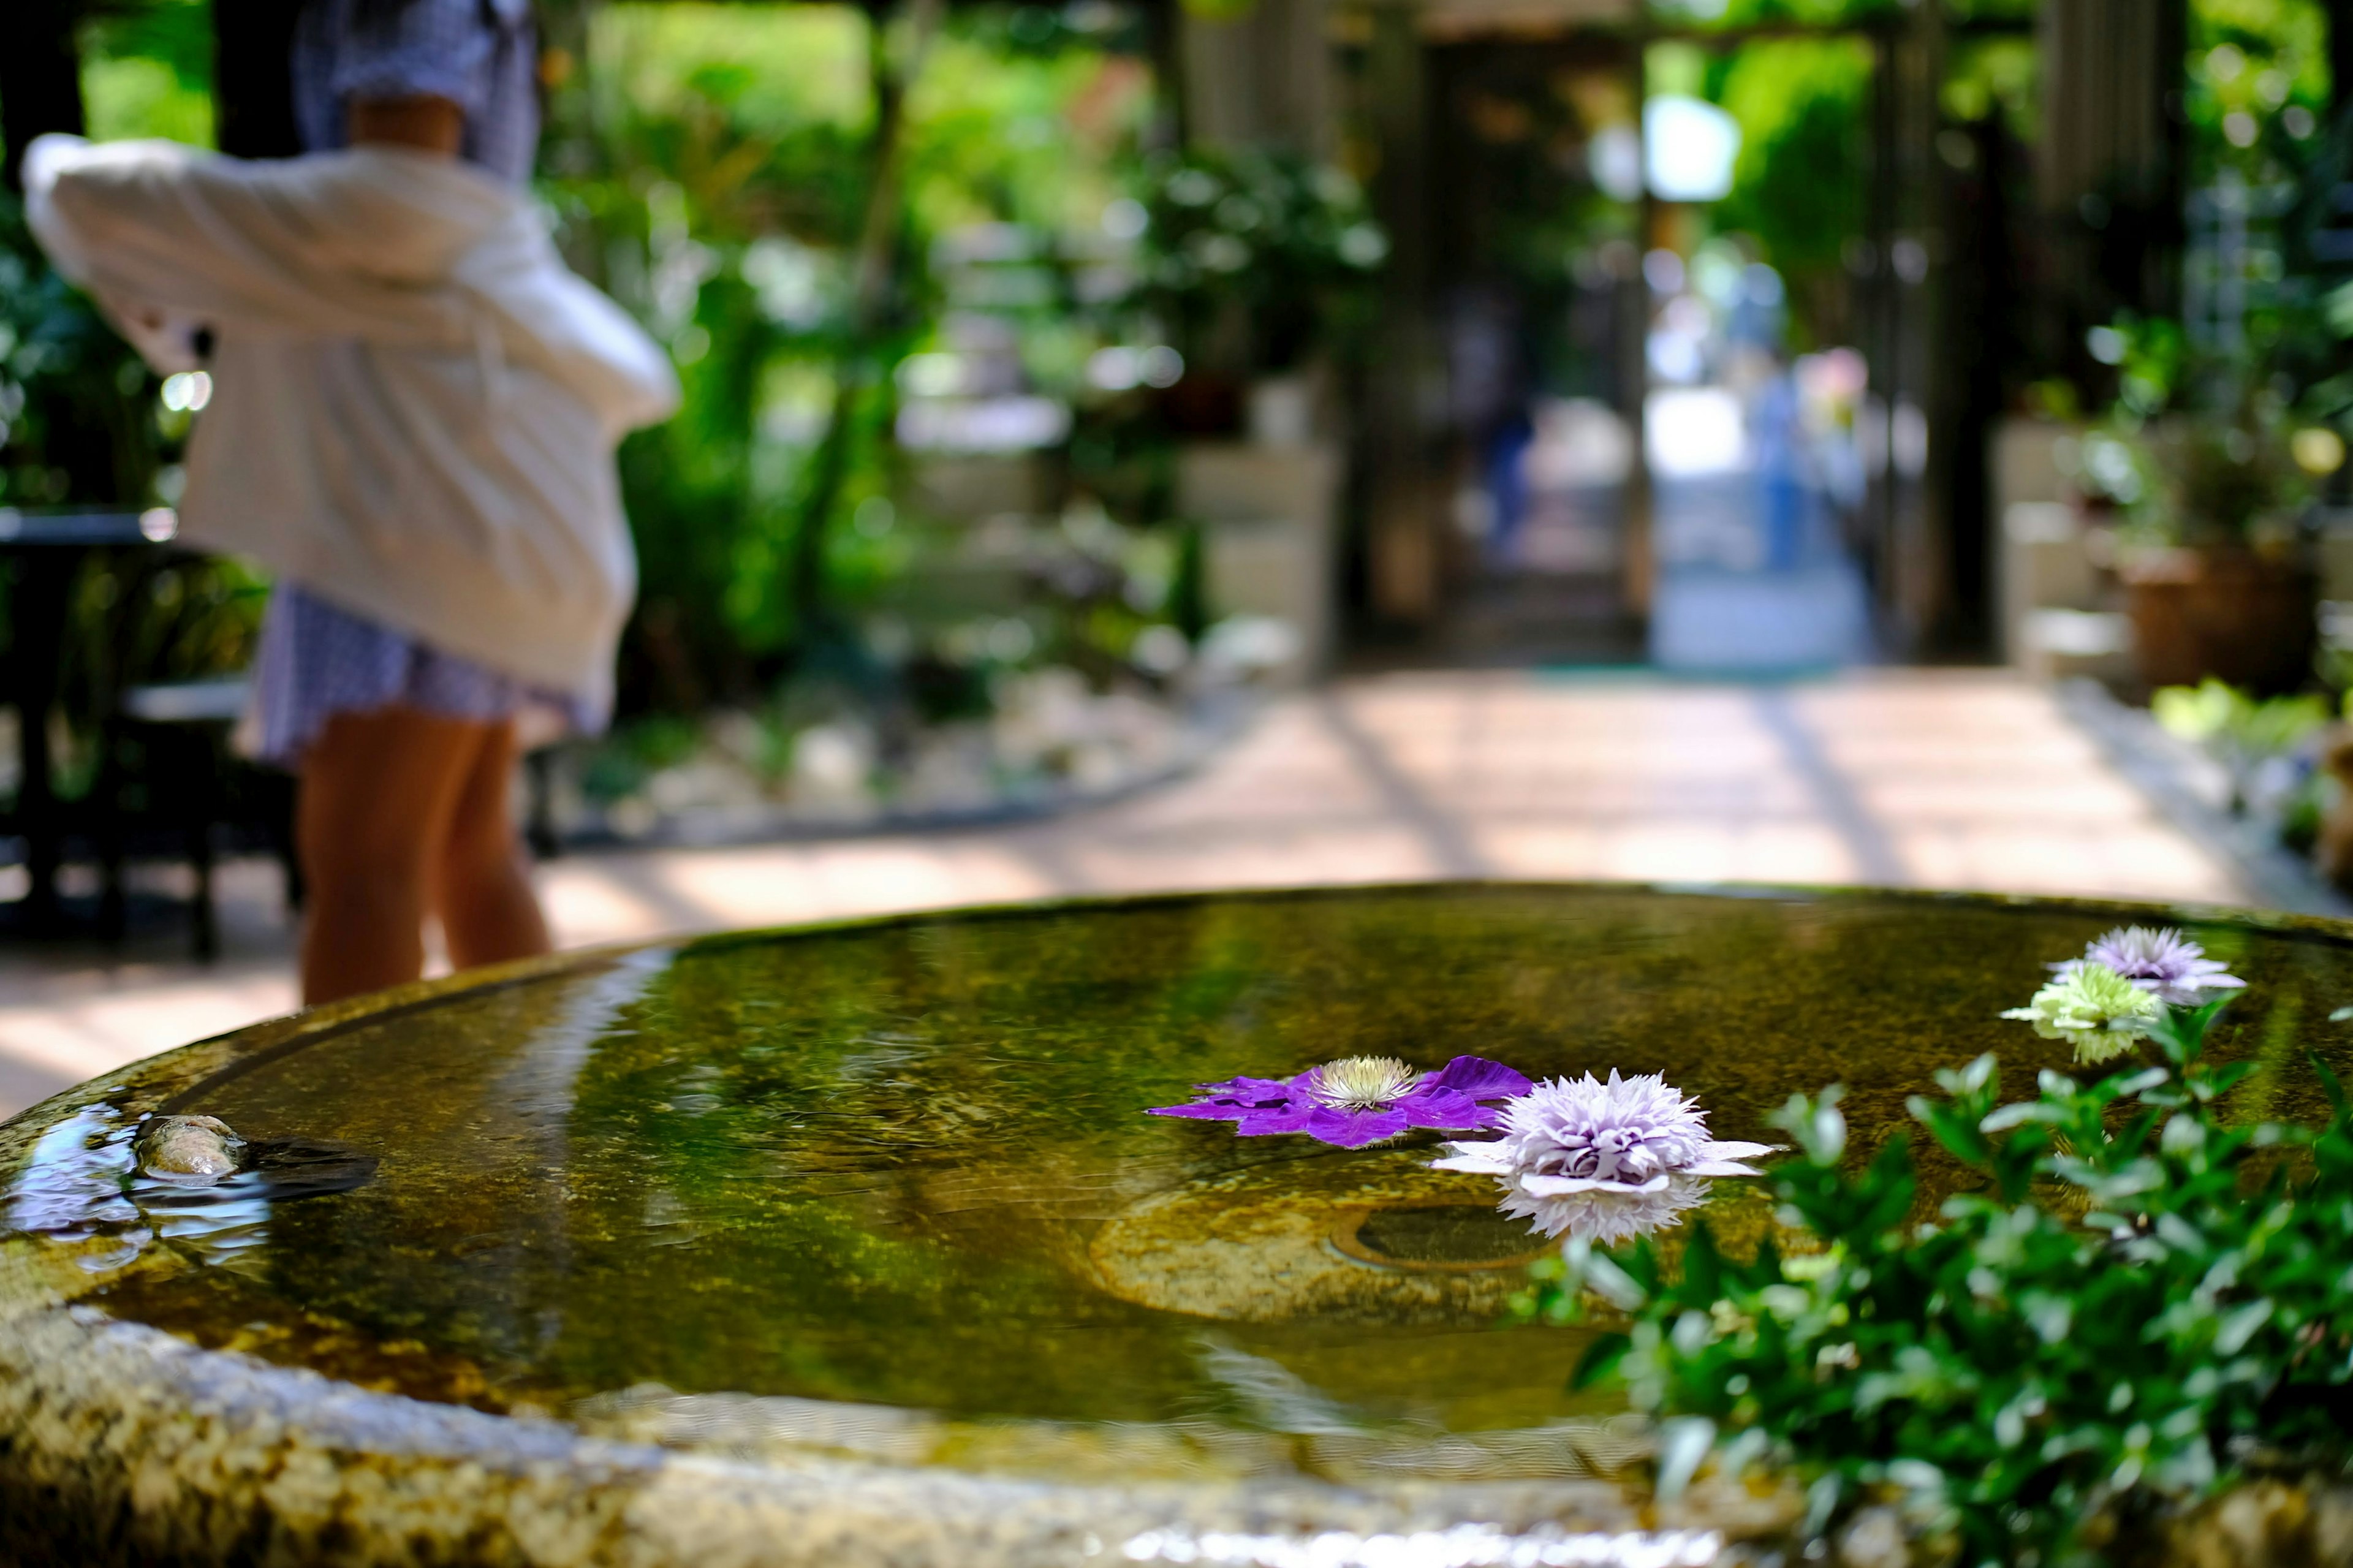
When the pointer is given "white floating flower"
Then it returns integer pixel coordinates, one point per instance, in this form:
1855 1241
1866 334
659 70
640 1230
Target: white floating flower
1603 1162
2160 961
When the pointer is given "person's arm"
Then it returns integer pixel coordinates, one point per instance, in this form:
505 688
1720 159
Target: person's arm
432 125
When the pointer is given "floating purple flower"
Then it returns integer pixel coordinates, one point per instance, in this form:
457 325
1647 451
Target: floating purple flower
2163 963
1603 1162
1359 1099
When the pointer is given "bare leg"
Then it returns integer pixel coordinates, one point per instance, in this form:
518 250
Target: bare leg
379 791
483 882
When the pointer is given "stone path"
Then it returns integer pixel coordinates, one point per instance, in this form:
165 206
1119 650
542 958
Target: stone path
1947 779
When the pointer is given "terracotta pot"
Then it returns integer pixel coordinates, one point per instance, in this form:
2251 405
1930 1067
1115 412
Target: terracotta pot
2241 617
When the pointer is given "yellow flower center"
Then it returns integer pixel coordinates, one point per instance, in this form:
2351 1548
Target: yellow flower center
1363 1083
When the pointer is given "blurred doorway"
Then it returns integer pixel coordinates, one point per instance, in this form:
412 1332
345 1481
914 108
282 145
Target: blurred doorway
1759 405
1682 308
1536 222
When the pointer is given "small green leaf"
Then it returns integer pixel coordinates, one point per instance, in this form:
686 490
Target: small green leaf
1600 1359
2239 1325
1683 1445
2330 1084
1598 1273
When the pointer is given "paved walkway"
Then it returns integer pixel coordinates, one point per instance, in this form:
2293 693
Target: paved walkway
1947 779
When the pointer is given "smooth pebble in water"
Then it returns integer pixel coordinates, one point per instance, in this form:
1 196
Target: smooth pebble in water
184 1147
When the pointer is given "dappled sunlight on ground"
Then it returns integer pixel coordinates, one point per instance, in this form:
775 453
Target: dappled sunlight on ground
1950 779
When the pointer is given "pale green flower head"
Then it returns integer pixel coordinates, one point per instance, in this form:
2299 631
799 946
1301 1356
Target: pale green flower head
2093 1009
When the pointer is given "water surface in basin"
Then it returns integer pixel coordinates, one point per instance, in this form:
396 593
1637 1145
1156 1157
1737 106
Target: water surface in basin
903 1170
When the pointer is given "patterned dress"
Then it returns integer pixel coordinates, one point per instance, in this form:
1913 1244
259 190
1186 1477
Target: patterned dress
318 659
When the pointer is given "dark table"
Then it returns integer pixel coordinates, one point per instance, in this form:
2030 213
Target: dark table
46 547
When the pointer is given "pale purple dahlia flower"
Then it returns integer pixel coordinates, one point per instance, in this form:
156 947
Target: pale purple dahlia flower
1603 1162
2163 963
1359 1099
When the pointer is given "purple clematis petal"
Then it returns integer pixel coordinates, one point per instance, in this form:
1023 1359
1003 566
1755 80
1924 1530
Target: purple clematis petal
1203 1110
1249 1090
1357 1101
1259 1123
1353 1129
1479 1079
1230 1098
1445 1107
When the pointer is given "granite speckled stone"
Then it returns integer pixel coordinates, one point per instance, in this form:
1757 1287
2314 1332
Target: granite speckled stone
851 1246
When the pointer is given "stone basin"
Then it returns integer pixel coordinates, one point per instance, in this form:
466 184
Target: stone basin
852 1244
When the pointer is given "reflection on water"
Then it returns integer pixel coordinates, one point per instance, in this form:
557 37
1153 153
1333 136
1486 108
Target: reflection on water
84 1183
1440 1235
76 1188
890 1193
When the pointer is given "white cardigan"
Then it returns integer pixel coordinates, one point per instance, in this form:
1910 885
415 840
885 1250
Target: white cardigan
415 403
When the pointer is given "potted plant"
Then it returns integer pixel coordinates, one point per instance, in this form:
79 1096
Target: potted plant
2211 487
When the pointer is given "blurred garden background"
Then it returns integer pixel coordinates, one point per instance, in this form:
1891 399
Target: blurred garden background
1070 387
1055 372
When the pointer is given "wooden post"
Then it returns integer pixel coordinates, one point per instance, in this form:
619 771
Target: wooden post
253 77
40 76
2107 167
1260 80
1401 547
1920 583
1638 554
2341 56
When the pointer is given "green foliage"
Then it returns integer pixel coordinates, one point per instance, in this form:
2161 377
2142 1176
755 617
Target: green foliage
1287 243
707 175
1994 75
2257 60
1799 184
80 425
2258 107
2268 749
2142 1300
2230 477
2200 446
2237 728
1750 13
2201 435
715 178
147 71
77 419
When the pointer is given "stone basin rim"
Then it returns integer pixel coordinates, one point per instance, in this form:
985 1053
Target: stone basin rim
845 1514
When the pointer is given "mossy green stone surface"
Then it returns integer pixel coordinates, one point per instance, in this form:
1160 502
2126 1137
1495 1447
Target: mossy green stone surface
855 1243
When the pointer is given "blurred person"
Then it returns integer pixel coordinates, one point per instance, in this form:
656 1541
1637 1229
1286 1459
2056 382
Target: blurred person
412 422
1777 436
1492 389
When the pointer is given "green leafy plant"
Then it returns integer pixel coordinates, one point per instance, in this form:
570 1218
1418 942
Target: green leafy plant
2246 735
2234 725
2141 1302
783 197
2270 749
2200 447
77 422
81 425
1284 241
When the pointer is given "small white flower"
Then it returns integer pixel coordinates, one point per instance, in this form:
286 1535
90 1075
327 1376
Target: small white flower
2160 961
1603 1162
